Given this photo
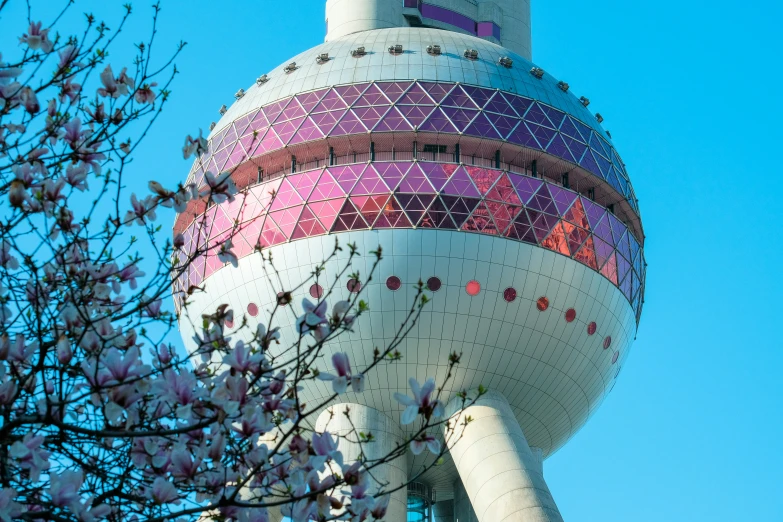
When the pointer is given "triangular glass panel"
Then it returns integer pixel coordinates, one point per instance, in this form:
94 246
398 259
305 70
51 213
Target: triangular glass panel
415 204
347 175
624 247
575 236
458 98
554 115
220 159
635 284
309 131
416 114
519 103
583 129
437 122
613 181
460 184
327 188
542 201
286 196
604 230
273 110
437 91
370 206
286 130
542 223
265 192
482 127
543 134
526 186
502 214
600 145
499 105
415 181
504 124
586 254
618 228
556 241
635 248
593 210
604 164
394 90
577 148
415 96
242 123
371 97
286 219
536 115
308 225
576 215
522 136
349 218
609 270
623 267
330 102
459 208
461 118
558 148
437 216
370 183
305 182
563 198
309 100
625 286
480 96
504 191
603 250
588 163
326 121
259 121
270 234
392 216
351 93
393 121
326 211
292 111
521 229
569 129
438 173
392 173
483 178
350 124
480 221
370 116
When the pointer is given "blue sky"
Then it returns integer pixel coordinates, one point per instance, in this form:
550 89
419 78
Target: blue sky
689 91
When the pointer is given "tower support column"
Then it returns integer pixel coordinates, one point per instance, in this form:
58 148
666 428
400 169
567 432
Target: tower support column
387 435
501 475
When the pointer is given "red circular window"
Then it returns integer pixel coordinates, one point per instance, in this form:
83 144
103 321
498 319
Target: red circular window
542 303
354 286
615 357
473 288
316 291
509 294
570 315
591 328
607 342
393 283
434 284
283 299
252 309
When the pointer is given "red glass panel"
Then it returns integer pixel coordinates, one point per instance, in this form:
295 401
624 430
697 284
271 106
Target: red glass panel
481 126
415 181
609 270
510 295
392 216
349 219
460 184
556 241
504 191
393 121
326 211
347 175
502 214
417 114
392 173
570 315
542 303
473 288
438 122
586 254
393 283
370 206
576 215
349 124
480 221
483 178
591 328
326 188
575 236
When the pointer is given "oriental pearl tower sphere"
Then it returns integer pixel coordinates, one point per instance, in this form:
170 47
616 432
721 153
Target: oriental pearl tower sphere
424 127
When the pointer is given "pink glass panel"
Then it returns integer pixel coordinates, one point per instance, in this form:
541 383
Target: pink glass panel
460 184
327 188
370 183
392 173
349 124
347 175
349 218
393 121
415 181
305 183
330 102
371 97
286 196
326 211
327 120
504 191
308 131
310 100
370 206
286 219
308 225
370 116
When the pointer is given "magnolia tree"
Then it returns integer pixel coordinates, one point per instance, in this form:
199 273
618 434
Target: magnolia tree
101 419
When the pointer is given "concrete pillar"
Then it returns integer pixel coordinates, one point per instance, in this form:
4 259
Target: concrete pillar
387 435
500 473
344 17
443 511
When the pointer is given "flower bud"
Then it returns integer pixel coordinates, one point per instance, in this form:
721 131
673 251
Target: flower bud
64 352
17 193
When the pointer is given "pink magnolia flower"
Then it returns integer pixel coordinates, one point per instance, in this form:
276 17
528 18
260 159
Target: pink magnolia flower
73 134
421 403
220 188
7 260
67 56
314 316
71 91
9 510
64 488
145 93
64 352
340 382
129 274
381 506
30 455
37 38
76 176
225 255
425 441
30 101
163 492
142 211
115 87
197 146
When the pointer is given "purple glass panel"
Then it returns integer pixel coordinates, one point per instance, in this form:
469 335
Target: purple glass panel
370 116
241 124
558 147
392 216
460 208
416 96
393 90
438 173
350 124
460 184
274 110
392 173
347 175
415 114
287 129
393 121
371 97
542 223
330 102
543 134
461 118
594 212
522 136
437 91
504 124
351 93
569 129
623 267
583 129
481 126
415 181
525 186
327 188
438 122
589 164
484 29
238 156
370 206
604 230
577 148
618 228
521 229
286 219
520 103
603 164
326 211
554 115
536 115
309 131
480 96
326 121
449 17
543 202
294 110
270 142
624 247
348 219
415 205
459 98
414 4
498 104
600 145
309 100
370 183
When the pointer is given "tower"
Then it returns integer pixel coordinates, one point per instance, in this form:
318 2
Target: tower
424 127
